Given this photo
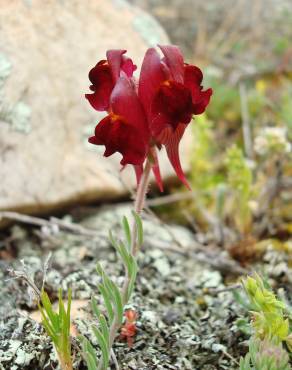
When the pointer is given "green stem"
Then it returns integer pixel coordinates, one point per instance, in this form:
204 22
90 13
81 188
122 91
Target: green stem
138 207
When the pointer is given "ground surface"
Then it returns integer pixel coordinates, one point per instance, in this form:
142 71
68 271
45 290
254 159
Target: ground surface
185 319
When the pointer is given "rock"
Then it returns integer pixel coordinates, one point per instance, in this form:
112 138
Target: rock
46 51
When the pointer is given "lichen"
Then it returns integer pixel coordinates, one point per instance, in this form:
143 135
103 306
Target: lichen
18 115
181 323
121 3
5 68
19 118
28 3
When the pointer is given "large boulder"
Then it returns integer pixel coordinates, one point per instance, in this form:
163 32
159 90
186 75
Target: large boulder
46 51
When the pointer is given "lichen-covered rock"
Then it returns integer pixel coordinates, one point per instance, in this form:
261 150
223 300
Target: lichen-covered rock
46 51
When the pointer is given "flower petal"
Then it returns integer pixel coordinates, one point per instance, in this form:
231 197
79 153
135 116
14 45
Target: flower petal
119 136
114 58
118 61
128 66
102 85
104 76
171 106
200 106
171 141
125 102
125 129
156 169
175 61
151 76
138 172
193 77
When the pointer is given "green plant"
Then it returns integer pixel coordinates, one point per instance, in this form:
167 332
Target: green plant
140 120
239 179
265 356
203 161
114 298
57 326
270 315
270 328
225 102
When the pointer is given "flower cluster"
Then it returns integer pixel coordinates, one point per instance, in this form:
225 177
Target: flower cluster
147 113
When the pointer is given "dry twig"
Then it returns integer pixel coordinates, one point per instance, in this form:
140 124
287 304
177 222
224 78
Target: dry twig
52 222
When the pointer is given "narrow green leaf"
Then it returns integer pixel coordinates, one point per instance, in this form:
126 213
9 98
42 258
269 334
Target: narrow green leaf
47 305
103 346
127 231
118 301
48 327
113 240
107 302
132 265
132 278
107 283
139 226
104 328
68 316
90 349
95 308
89 354
61 304
90 361
106 291
123 252
120 249
99 269
62 313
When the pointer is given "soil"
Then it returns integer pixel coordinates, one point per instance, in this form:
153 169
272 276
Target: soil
188 318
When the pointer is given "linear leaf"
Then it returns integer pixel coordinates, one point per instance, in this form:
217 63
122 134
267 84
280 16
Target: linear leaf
118 301
94 307
123 252
113 240
127 231
89 354
62 313
104 328
99 269
103 346
132 265
107 302
48 326
139 226
53 317
107 283
90 361
68 316
132 278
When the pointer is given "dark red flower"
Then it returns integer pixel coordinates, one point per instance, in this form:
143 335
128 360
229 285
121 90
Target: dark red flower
105 75
171 93
124 129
